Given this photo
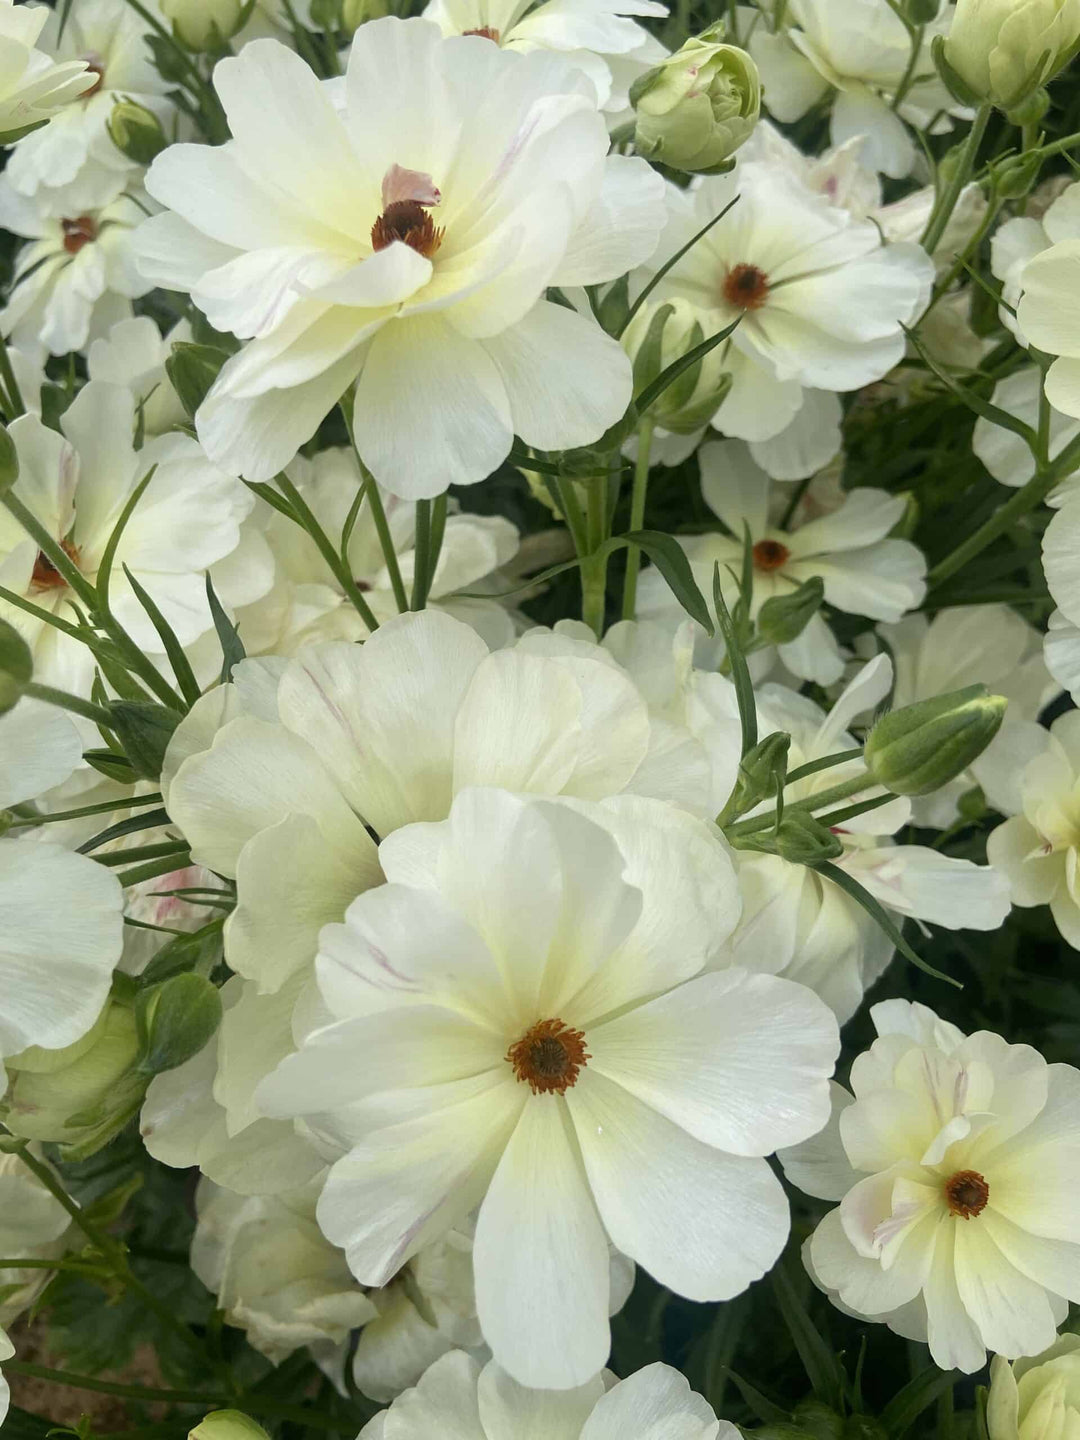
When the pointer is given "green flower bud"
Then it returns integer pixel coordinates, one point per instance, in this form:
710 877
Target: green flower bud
144 729
659 335
1003 50
9 461
922 747
761 775
16 667
81 1096
698 106
805 841
205 24
228 1425
136 132
920 12
175 1020
355 13
783 618
192 369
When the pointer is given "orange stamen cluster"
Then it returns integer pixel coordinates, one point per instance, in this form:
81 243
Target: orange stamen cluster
548 1057
770 555
746 287
967 1193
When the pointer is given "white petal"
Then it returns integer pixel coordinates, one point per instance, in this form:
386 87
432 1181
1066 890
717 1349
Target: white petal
655 1403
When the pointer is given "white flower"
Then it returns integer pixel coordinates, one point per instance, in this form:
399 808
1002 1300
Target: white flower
457 1396
1049 317
798 923
186 521
1005 454
274 1273
307 604
1019 240
1037 850
1003 50
1036 1398
72 165
39 748
407 240
588 33
818 296
906 220
33 1226
956 1162
861 50
133 353
963 646
76 278
520 1022
864 571
838 174
33 87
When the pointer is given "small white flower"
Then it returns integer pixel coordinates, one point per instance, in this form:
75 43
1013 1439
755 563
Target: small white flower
956 1160
39 748
404 242
34 1226
1049 317
133 353
1038 849
77 277
457 1396
864 571
520 1023
819 298
33 87
1019 240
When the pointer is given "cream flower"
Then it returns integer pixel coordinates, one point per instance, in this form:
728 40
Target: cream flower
1019 240
275 1275
133 353
407 240
860 50
864 571
32 86
186 521
590 34
72 165
956 1161
457 1396
39 748
1007 455
1049 316
1038 849
520 1022
818 296
1036 1398
77 277
308 606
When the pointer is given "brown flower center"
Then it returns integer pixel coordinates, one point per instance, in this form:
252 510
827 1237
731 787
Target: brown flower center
45 575
78 233
486 31
746 287
967 1193
770 555
409 221
96 66
548 1057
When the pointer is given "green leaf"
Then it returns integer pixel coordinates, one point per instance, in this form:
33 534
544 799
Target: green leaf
974 402
111 765
740 673
199 950
819 1361
668 377
862 896
917 1395
145 820
104 573
232 647
669 557
144 728
185 676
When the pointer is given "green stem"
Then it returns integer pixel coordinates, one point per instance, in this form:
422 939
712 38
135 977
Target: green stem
837 817
14 406
112 1387
65 701
386 540
637 514
422 549
856 786
594 564
946 204
943 286
308 523
908 76
1000 523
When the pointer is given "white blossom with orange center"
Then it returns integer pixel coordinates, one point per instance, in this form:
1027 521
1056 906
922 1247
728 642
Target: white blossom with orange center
956 1162
520 1024
404 242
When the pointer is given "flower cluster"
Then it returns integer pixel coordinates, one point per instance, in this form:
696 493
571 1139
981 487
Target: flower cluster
540 627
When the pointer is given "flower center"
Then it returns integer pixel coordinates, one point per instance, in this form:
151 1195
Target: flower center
967 1193
78 233
770 555
486 31
407 195
548 1057
746 287
96 66
45 575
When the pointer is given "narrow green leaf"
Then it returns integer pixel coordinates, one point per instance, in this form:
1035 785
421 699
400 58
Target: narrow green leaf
669 557
104 573
670 264
675 369
145 820
974 402
185 676
917 1395
862 896
766 1410
232 647
740 672
819 1361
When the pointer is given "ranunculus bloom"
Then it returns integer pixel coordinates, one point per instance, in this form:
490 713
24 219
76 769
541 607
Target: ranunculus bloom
33 86
456 1396
956 1161
520 1023
404 242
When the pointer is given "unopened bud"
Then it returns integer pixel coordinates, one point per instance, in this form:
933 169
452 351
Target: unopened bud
175 1020
760 776
228 1425
698 106
144 730
656 338
204 24
16 667
136 132
783 618
805 841
192 369
9 461
922 747
1003 51
355 13
920 12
